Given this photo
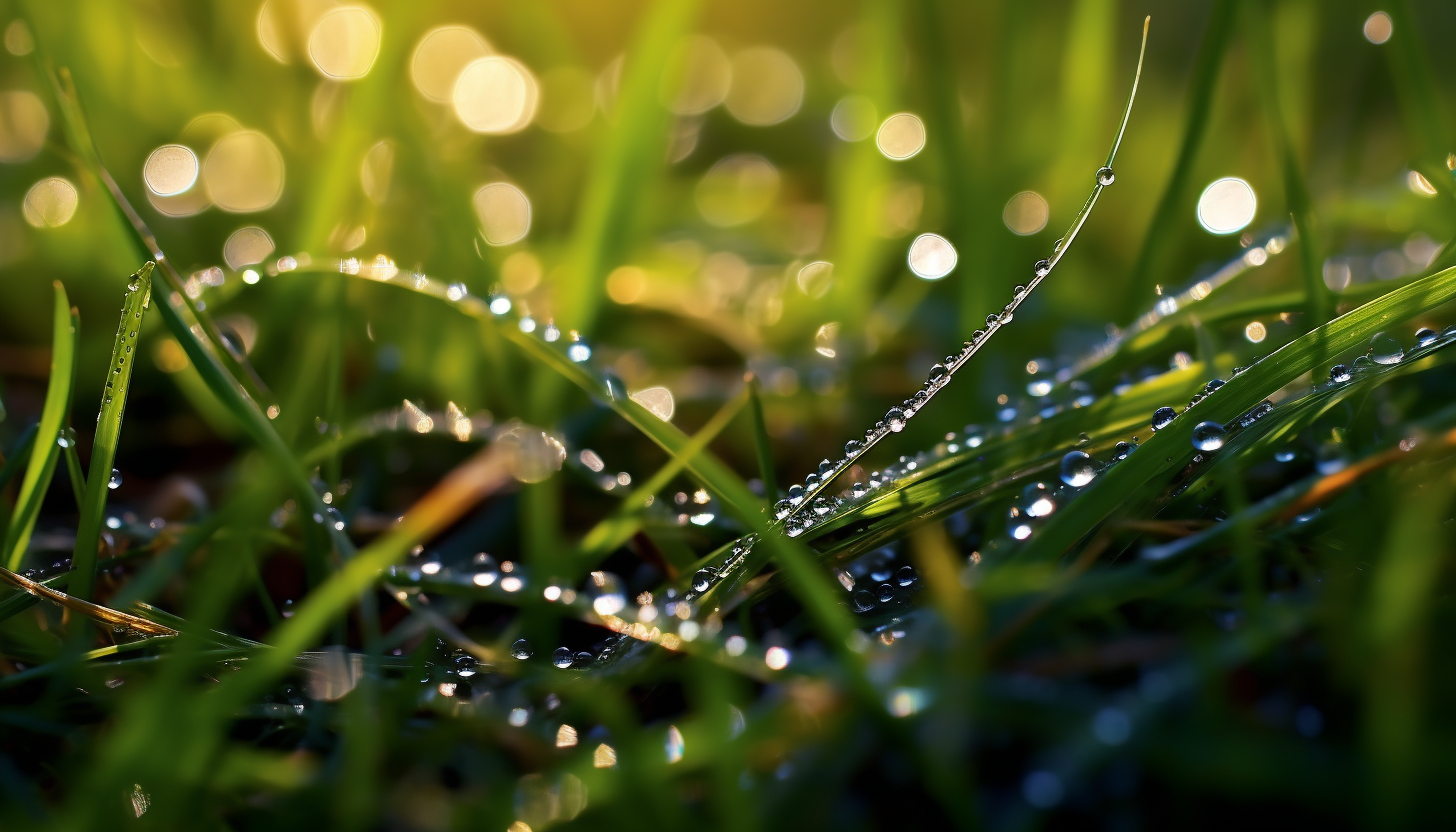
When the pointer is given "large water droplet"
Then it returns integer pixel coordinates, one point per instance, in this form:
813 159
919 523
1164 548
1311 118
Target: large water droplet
1037 499
906 576
1385 349
1339 374
1042 268
895 419
703 579
852 447
1425 337
66 438
1077 469
1163 416
115 481
563 657
521 649
1105 176
578 351
1208 436
796 494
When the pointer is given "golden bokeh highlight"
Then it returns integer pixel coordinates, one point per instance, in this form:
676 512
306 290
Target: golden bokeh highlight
657 400
1026 213
1256 332
1378 28
854 118
50 203
377 171
344 43
767 86
697 77
504 213
246 247
24 123
243 172
901 136
18 40
283 26
439 58
170 170
737 190
496 95
626 284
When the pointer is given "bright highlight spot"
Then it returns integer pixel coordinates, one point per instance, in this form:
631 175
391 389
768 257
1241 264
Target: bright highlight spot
439 58
23 125
504 213
1255 332
777 658
767 86
1378 28
243 172
170 170
932 256
658 400
1226 206
50 203
495 95
1419 184
345 42
1026 213
901 136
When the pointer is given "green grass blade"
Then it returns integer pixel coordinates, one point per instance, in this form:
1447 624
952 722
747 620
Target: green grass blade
1415 85
1170 448
1217 36
762 445
45 451
108 428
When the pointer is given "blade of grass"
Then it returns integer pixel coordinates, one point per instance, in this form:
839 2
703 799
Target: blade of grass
1218 33
1169 449
762 446
108 428
1415 85
45 451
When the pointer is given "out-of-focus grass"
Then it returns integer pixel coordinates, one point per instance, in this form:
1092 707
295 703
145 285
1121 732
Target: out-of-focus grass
1256 626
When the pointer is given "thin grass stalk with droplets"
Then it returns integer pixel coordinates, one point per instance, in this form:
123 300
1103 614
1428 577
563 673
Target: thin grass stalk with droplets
941 374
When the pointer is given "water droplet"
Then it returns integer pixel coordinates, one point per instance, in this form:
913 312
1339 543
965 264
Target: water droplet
826 468
703 579
1038 500
1284 455
864 601
992 320
1163 416
1042 268
1120 451
1105 176
1385 349
563 657
852 447
1005 315
1339 374
115 481
781 509
66 438
607 595
885 593
456 291
938 373
1077 469
906 576
521 649
796 494
578 351
1425 337
1208 436
499 304
895 419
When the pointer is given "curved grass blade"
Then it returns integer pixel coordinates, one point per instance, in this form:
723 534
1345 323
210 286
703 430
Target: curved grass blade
95 612
762 447
108 428
45 451
1169 449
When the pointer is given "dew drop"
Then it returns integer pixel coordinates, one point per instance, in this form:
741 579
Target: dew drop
895 419
1105 176
852 447
864 601
1385 349
1208 436
1042 268
1120 451
563 657
1162 417
906 576
826 468
521 649
66 438
115 481
456 291
1425 337
1339 374
938 373
1037 499
578 351
796 494
702 580
886 593
1077 469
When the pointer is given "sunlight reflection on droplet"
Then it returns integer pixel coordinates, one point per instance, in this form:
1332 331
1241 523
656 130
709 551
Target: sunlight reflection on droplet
345 42
170 170
777 658
658 400
697 76
1378 28
377 170
50 203
568 100
1226 206
932 256
246 246
854 118
439 58
901 136
737 190
504 213
767 86
1255 332
23 125
17 38
815 279
243 172
495 95
1026 213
